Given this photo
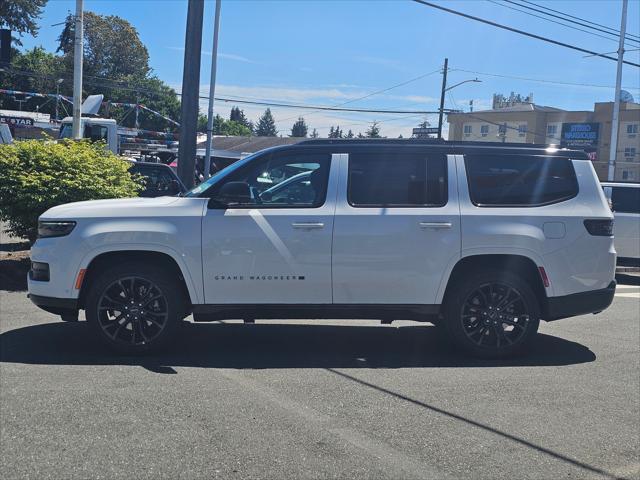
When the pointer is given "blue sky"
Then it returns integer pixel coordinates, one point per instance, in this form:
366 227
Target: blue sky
329 52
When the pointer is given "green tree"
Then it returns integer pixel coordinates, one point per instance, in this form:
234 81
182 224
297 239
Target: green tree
373 131
20 16
349 134
46 68
266 126
223 127
299 128
335 132
314 134
39 175
238 116
112 47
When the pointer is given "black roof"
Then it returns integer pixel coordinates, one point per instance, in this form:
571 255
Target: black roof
445 146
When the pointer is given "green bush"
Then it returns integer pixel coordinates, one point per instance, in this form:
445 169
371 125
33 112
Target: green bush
35 176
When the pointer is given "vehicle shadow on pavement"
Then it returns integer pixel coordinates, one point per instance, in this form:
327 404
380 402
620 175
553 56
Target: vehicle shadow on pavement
220 345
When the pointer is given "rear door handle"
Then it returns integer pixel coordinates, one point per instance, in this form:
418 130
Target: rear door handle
307 225
435 225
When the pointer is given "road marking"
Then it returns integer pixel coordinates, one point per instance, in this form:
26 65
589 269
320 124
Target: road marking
628 295
626 286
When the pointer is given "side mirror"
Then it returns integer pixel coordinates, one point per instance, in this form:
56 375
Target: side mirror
266 196
233 193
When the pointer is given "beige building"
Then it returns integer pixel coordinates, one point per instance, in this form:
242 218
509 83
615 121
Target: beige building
588 130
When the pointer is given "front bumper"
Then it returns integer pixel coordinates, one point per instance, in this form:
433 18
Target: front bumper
58 306
581 303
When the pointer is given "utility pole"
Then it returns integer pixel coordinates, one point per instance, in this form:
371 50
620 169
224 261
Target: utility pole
212 91
58 82
613 150
442 93
190 93
77 72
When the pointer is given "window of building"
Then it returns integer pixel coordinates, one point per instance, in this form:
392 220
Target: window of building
522 130
396 179
632 128
625 199
630 153
468 129
519 180
552 130
484 130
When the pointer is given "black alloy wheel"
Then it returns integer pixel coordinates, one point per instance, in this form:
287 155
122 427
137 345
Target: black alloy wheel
491 314
133 311
135 307
494 315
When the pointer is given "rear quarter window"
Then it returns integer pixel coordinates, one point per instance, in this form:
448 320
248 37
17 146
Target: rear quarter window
519 180
625 199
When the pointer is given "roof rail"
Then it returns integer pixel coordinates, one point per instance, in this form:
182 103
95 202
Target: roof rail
426 141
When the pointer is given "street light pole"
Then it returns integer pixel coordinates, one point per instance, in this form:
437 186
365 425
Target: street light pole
212 91
613 149
77 71
444 90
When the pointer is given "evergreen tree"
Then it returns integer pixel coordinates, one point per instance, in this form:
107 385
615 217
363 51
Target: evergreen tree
335 132
373 131
299 128
238 116
266 126
349 134
360 135
314 134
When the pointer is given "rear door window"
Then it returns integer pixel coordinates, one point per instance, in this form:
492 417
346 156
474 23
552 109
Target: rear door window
519 180
397 179
625 199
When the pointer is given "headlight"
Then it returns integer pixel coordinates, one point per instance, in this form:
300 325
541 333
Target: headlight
48 229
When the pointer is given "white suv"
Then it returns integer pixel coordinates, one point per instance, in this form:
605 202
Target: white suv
625 203
483 240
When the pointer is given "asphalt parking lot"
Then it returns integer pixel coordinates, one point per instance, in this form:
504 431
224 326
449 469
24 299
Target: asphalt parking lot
341 399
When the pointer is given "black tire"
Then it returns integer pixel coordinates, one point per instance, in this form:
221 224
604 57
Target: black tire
134 308
491 314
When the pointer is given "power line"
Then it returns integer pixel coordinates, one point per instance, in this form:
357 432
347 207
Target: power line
540 80
377 92
628 35
554 21
522 32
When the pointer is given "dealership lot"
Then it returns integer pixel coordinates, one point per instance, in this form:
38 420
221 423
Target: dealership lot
341 399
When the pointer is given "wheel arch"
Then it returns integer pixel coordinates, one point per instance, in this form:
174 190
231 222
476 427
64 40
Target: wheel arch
515 263
155 257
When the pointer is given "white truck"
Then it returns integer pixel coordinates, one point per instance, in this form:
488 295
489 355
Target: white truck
484 240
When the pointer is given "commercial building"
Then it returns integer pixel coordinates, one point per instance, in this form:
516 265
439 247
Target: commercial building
526 122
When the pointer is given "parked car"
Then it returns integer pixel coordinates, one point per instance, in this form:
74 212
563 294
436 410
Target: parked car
484 240
625 203
160 179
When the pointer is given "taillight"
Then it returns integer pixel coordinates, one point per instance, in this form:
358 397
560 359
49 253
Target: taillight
599 228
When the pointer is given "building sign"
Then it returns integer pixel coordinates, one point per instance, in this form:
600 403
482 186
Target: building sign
16 121
425 131
580 135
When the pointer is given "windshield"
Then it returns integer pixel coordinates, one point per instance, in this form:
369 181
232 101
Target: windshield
197 191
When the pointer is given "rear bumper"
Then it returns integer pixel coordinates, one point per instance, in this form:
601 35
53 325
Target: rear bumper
55 305
581 303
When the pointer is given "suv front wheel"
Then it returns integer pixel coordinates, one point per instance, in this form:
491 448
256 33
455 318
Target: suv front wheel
492 314
133 308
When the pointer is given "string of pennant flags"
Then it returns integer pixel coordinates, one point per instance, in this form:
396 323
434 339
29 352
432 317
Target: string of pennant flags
70 100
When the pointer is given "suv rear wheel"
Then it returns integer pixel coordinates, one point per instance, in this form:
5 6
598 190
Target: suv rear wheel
493 314
133 308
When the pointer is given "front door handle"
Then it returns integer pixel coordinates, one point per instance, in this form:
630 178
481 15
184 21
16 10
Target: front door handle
435 225
307 225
